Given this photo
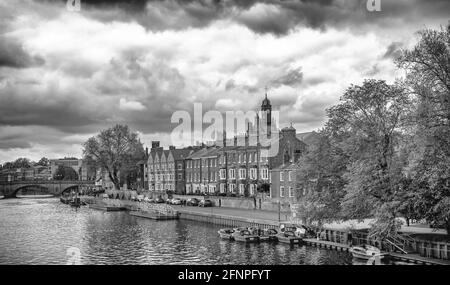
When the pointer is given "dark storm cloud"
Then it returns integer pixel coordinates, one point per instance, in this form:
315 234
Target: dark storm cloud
13 55
393 50
13 143
268 16
23 105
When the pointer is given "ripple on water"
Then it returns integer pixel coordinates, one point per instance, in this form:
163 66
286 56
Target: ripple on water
39 231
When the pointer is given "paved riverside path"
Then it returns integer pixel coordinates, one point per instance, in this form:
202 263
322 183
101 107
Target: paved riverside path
233 212
273 217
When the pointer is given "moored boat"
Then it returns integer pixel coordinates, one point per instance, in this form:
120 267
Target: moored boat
226 234
366 252
244 235
291 234
75 202
268 235
289 237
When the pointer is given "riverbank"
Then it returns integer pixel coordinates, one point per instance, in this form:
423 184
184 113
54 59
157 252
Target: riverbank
337 232
118 238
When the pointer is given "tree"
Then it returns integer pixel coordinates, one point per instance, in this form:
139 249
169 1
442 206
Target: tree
428 80
22 163
320 177
44 162
117 150
367 127
8 165
65 173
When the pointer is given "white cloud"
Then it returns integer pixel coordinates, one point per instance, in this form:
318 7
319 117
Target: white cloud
97 73
125 105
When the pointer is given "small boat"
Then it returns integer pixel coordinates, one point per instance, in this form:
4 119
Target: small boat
226 234
65 200
244 235
289 237
366 252
291 233
76 202
268 235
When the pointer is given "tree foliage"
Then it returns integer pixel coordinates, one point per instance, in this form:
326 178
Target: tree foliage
65 173
428 80
320 178
387 147
117 150
43 162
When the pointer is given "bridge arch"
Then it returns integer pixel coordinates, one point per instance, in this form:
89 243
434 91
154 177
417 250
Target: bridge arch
69 188
55 188
24 187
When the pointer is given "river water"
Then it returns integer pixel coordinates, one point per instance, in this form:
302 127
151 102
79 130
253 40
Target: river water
45 231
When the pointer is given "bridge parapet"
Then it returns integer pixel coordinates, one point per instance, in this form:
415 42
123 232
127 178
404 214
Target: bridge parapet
54 187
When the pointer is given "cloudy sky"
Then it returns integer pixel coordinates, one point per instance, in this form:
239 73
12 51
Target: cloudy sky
66 75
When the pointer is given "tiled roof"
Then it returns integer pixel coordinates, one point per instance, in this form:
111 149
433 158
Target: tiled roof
181 153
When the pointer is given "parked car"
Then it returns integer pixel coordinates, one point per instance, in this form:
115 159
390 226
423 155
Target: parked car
105 196
169 201
176 201
140 198
192 202
133 198
205 203
147 199
159 200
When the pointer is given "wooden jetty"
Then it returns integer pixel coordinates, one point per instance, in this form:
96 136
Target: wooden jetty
154 215
410 258
107 208
326 244
417 259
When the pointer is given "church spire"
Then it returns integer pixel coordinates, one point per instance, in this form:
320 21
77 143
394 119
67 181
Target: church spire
266 102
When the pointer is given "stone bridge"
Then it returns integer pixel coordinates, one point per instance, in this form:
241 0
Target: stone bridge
53 187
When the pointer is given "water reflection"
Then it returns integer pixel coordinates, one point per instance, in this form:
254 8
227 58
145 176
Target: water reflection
39 231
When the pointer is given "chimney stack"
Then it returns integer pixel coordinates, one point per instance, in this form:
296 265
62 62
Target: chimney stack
155 144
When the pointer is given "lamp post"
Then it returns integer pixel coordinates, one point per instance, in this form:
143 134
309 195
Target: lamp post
279 210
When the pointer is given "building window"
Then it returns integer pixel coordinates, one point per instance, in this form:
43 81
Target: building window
241 189
282 191
232 174
281 176
223 173
290 175
291 192
242 173
264 173
252 189
252 173
222 188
